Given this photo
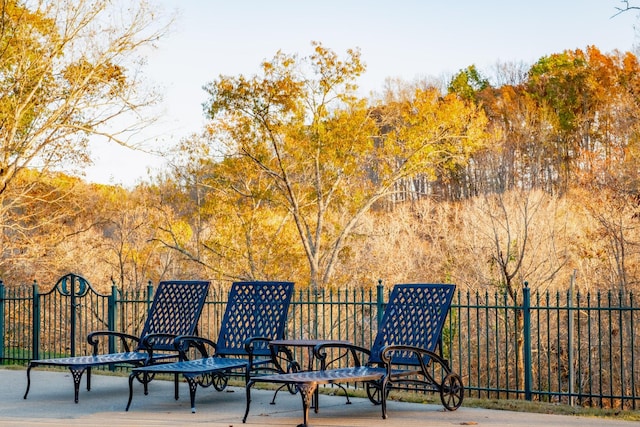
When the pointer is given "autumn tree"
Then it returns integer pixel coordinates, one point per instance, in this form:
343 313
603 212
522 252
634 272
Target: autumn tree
223 221
508 239
519 154
69 71
591 103
130 222
571 118
106 233
35 225
329 155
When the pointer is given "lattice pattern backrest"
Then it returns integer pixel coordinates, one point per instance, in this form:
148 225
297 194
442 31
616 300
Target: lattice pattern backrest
254 309
414 316
175 309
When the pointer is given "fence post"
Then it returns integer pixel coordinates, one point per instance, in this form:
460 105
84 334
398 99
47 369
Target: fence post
526 309
572 399
72 312
149 295
316 318
1 322
35 337
111 314
380 301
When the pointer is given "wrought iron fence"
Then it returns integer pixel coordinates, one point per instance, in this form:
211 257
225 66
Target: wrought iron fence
556 347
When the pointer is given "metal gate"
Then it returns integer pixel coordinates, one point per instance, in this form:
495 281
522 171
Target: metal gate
65 315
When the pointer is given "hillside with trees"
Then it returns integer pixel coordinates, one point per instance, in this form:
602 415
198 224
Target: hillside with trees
488 180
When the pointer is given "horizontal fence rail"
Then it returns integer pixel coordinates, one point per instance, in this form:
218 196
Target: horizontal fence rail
555 347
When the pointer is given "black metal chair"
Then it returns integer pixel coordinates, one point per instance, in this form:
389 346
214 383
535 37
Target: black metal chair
406 354
256 313
175 311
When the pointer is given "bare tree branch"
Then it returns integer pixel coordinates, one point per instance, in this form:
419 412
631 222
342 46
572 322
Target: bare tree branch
627 7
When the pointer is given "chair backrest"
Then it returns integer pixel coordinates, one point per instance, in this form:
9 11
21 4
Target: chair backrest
175 309
414 316
254 309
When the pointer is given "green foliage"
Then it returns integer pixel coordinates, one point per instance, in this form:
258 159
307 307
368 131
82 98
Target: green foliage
561 81
467 83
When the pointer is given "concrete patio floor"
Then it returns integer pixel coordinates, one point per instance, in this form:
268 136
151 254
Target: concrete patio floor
50 403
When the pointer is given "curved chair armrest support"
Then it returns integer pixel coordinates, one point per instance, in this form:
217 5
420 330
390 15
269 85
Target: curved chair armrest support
149 341
422 355
250 346
94 339
185 342
279 362
320 352
250 343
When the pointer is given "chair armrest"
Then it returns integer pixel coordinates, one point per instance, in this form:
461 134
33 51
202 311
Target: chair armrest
422 356
94 339
250 343
148 342
205 347
279 363
321 352
250 346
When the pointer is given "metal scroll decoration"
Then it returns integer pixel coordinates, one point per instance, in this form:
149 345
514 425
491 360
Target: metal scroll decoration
72 284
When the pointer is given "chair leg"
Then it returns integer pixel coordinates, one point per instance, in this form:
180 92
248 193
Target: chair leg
193 387
384 398
145 378
76 373
248 391
176 386
273 401
346 394
307 392
145 382
28 380
131 378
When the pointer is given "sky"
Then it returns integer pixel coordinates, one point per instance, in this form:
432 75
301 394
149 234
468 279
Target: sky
406 39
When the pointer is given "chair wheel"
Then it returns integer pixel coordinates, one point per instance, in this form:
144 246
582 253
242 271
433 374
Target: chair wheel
145 377
452 391
374 393
219 381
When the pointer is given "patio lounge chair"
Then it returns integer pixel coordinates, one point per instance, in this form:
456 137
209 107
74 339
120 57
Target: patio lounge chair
403 355
175 311
256 313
